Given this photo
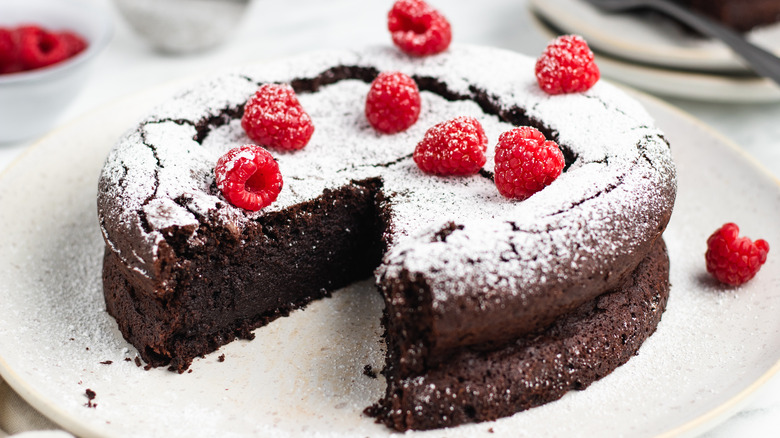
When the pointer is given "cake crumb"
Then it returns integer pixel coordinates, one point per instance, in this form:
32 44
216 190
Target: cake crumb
127 359
369 371
137 361
221 358
90 396
189 370
107 362
490 430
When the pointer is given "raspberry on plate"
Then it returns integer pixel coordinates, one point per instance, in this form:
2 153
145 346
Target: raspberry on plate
392 103
732 259
40 48
526 162
274 118
454 147
248 177
567 66
418 29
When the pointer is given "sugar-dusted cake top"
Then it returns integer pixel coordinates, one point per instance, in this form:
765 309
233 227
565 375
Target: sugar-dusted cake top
619 185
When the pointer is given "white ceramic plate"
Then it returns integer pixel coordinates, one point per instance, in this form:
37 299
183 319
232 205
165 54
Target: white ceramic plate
711 87
651 40
303 375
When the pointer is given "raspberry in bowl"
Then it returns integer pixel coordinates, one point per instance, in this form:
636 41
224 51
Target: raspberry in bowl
53 42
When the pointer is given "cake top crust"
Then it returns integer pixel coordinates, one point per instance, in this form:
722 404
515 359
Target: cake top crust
618 187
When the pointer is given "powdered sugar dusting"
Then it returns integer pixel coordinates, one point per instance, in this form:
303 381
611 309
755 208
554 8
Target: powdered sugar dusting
621 171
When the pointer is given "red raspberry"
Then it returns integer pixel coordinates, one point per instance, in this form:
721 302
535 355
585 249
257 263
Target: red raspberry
74 42
454 147
732 259
567 66
418 29
7 50
392 103
275 118
526 162
248 177
39 48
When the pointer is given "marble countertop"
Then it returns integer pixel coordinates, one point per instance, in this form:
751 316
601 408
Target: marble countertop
273 29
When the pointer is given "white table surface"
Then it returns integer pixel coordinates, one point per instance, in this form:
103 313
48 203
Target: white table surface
273 29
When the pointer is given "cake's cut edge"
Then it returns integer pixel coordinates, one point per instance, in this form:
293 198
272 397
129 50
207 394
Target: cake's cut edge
576 350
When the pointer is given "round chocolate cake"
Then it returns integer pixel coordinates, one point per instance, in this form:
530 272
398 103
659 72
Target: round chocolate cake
464 271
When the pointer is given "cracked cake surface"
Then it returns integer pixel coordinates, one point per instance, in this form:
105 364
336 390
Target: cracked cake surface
458 264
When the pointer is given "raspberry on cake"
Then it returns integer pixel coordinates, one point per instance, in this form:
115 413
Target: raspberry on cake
248 177
454 147
567 66
471 282
392 102
275 118
732 259
526 162
418 29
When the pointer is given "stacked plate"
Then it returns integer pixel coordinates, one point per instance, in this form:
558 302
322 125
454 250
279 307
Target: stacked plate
651 52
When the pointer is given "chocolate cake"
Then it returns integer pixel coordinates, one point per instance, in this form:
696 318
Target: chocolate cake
741 15
465 272
576 350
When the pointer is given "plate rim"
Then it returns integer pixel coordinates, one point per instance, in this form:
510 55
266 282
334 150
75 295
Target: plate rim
52 411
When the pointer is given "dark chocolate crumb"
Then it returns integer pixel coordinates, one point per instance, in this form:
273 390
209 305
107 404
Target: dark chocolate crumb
147 367
90 396
369 371
107 362
87 348
127 359
189 370
221 358
490 430
137 361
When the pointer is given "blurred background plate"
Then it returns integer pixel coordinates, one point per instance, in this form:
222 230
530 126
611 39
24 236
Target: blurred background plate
686 84
649 39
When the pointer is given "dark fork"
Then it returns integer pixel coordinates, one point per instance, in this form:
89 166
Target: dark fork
761 61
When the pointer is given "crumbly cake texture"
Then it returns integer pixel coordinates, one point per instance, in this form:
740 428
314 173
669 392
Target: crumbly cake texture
459 265
576 350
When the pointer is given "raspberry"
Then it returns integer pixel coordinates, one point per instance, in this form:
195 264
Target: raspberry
275 118
392 103
73 42
39 48
248 177
567 66
526 162
418 29
732 259
7 50
454 147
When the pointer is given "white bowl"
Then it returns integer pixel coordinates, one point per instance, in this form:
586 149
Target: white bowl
31 101
183 26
